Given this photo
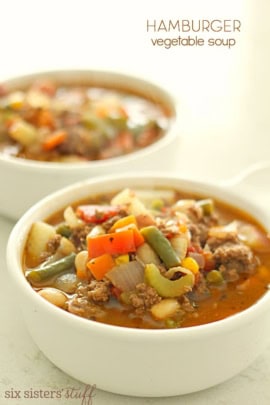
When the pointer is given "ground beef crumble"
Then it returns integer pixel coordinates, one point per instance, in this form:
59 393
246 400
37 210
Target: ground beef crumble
88 296
99 291
81 306
236 256
143 298
78 236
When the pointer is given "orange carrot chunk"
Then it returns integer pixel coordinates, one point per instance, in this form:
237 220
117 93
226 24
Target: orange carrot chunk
100 265
54 139
112 243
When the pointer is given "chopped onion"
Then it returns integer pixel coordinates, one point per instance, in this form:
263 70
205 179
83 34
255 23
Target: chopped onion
127 275
71 218
96 231
147 255
180 245
66 282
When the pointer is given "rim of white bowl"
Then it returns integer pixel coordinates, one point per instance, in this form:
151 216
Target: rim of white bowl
164 96
21 228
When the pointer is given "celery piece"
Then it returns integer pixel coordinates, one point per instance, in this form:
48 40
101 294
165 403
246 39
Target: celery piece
167 288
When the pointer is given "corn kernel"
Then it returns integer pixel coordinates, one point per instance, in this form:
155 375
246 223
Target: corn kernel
122 259
16 100
190 264
183 228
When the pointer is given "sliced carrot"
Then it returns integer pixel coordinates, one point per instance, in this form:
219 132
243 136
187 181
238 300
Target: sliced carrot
44 118
126 223
112 243
100 265
138 238
54 139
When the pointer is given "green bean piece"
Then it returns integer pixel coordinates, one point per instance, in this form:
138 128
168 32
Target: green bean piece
161 246
167 288
49 270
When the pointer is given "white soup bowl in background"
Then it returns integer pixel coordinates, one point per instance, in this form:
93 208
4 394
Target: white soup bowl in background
24 182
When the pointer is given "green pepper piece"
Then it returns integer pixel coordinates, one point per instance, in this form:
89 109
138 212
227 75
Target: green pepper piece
161 245
49 270
167 288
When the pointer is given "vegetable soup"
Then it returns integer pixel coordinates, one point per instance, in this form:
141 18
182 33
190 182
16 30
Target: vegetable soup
57 123
150 259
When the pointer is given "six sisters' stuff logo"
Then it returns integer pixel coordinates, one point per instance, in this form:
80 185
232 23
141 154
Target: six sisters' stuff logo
86 395
83 395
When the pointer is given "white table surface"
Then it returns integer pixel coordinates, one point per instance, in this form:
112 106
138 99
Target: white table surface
225 127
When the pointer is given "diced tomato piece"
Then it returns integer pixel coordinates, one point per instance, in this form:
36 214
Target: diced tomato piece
96 213
210 263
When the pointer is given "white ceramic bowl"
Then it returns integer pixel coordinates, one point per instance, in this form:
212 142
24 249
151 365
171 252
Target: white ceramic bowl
24 182
130 361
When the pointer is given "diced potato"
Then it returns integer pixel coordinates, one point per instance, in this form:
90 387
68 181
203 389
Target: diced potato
38 238
36 99
22 132
165 308
65 247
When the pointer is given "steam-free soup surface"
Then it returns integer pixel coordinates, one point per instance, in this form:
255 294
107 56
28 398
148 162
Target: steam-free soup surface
155 258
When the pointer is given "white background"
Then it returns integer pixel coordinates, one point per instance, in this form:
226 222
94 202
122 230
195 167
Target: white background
224 98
